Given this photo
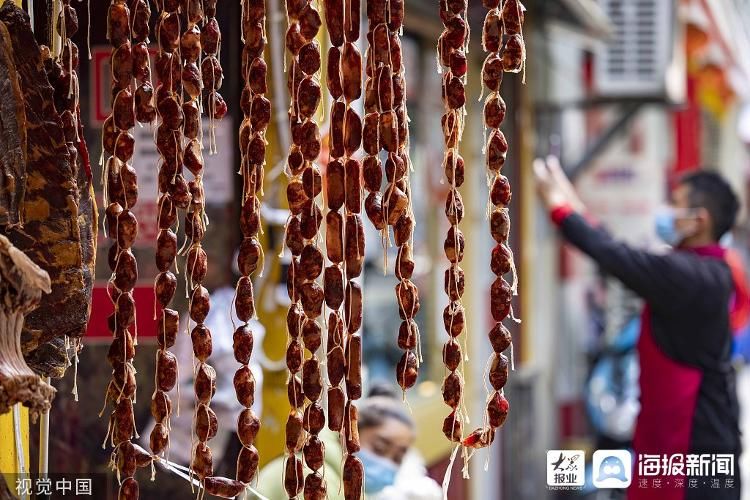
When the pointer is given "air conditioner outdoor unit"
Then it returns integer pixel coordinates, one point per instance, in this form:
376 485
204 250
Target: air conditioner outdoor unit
645 56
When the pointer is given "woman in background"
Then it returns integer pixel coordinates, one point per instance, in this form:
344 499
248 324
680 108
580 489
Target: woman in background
393 468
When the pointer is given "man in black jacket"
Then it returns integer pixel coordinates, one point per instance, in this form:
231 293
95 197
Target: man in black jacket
688 396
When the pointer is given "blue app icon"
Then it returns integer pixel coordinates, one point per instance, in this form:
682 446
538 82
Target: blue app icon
612 468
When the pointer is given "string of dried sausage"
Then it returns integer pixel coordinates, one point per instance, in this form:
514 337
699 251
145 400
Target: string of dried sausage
502 39
345 333
145 111
302 238
452 48
194 84
256 110
333 278
386 132
174 193
211 71
120 195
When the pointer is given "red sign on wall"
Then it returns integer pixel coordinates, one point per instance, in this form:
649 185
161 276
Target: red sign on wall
102 307
100 80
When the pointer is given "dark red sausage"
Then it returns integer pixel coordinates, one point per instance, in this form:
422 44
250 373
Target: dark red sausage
161 406
353 355
294 392
351 431
247 464
205 383
451 355
500 338
312 335
166 370
353 186
243 344
335 185
353 478
333 284
452 389
314 418
406 370
295 433
244 386
206 423
314 453
452 427
497 409
293 477
223 487
248 425
312 383
336 402
202 343
202 464
334 15
498 375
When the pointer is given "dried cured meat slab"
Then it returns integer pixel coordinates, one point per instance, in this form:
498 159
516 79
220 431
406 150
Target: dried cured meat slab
87 219
50 235
12 135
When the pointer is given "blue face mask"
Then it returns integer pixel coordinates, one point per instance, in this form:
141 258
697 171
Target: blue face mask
666 228
379 471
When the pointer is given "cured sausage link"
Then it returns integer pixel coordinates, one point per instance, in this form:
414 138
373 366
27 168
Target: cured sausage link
256 117
166 102
452 48
120 195
201 77
502 39
303 234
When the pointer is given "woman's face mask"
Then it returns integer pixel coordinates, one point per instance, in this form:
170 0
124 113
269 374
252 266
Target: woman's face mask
379 471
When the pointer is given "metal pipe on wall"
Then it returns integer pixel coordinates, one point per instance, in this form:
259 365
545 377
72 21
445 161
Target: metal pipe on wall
280 100
44 441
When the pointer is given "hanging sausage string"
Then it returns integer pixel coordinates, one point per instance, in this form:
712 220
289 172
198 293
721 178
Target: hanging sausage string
190 76
306 417
120 196
452 48
502 40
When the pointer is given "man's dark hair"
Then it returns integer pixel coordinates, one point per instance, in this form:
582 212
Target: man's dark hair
709 190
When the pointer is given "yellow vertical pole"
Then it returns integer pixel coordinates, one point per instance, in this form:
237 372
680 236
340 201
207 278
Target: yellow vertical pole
9 459
7 444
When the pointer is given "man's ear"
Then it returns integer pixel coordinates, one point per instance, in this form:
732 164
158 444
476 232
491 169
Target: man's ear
703 218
